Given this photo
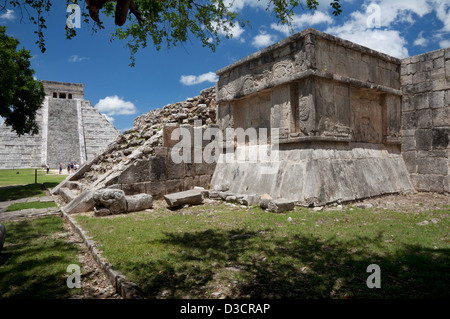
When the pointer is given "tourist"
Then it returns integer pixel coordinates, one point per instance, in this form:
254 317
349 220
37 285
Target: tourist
60 168
68 168
47 167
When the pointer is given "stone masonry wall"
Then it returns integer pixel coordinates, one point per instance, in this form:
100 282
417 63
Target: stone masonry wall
426 120
20 152
70 130
98 131
63 132
161 174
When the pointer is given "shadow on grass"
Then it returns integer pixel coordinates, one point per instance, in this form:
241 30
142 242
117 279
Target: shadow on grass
295 267
33 264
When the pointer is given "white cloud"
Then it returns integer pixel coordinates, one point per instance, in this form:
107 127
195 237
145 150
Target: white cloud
300 22
374 26
113 105
234 31
9 15
421 41
238 5
263 39
75 58
444 44
443 14
197 79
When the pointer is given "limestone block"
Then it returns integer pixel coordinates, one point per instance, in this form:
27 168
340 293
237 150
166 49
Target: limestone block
280 205
420 101
67 194
204 181
447 68
2 236
441 138
175 170
157 167
437 99
248 200
173 186
424 139
420 182
134 188
440 84
188 183
424 118
167 135
409 120
139 202
436 183
83 203
191 197
264 200
432 165
157 188
113 199
410 161
447 53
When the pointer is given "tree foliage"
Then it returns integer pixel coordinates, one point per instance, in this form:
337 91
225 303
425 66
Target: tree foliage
167 23
20 95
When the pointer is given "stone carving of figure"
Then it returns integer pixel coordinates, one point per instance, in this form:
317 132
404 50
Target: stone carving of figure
112 199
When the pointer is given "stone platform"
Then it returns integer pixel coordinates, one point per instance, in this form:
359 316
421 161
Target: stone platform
317 175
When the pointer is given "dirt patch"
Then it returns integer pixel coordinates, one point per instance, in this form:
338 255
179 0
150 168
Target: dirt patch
408 203
94 283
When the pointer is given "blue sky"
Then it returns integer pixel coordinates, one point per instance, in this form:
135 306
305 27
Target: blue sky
400 28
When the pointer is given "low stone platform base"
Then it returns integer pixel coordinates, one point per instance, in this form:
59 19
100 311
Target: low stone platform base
318 174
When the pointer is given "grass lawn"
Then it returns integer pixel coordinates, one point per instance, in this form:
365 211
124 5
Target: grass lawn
35 259
25 178
20 206
217 251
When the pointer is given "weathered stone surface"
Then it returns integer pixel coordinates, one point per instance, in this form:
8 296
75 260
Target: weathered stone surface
191 197
113 199
2 236
83 203
139 202
280 205
67 194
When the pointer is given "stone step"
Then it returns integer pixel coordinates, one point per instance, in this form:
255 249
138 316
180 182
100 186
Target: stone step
67 194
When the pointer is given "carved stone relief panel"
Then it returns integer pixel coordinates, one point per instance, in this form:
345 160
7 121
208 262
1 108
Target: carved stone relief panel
332 109
366 110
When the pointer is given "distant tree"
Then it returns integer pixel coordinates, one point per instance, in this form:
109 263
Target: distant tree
20 95
162 22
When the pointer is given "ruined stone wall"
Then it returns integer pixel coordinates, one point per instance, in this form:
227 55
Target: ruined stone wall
426 119
337 108
161 174
98 131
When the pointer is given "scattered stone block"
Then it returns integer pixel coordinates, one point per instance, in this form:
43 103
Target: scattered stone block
248 200
191 197
280 205
264 200
139 202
